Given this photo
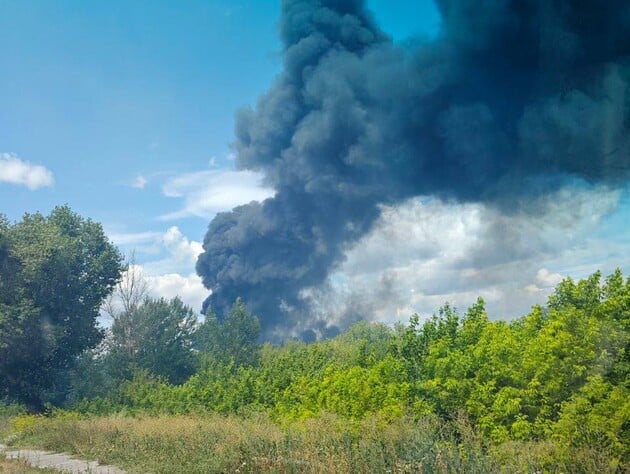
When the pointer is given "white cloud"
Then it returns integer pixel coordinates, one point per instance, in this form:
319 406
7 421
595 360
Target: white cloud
169 270
547 279
16 171
180 247
139 182
545 282
160 252
423 253
207 192
188 287
133 238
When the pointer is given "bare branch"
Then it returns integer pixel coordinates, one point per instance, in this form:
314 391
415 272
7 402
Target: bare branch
129 293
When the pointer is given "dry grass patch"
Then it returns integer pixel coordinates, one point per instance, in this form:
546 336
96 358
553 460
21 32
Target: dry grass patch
214 443
327 444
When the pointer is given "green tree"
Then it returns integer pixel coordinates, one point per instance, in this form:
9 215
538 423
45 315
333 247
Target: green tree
597 416
233 339
156 336
55 272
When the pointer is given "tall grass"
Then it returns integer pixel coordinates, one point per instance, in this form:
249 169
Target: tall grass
8 412
327 444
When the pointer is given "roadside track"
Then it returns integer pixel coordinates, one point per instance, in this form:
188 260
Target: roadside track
59 461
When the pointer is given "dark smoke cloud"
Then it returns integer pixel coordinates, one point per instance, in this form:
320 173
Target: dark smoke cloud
512 100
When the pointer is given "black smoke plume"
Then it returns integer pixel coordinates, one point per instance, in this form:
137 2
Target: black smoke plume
513 99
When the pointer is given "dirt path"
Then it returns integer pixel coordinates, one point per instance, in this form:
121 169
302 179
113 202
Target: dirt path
59 461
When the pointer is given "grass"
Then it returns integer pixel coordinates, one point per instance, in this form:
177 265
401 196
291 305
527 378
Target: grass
328 444
213 443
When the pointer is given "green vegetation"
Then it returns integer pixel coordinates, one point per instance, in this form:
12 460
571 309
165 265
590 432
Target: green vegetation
232 339
549 391
554 382
326 444
156 336
55 272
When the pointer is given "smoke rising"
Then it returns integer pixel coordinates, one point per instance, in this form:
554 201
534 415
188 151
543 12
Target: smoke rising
512 100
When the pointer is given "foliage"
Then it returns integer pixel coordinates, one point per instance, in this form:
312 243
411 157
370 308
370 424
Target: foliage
232 339
55 271
155 336
545 392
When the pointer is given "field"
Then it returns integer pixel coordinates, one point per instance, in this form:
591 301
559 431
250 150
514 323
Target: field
328 444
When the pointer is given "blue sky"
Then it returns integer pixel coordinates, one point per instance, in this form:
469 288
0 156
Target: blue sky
103 92
125 111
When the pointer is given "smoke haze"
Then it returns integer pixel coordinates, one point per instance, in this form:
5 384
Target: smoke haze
512 101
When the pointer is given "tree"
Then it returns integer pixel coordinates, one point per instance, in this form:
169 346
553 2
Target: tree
157 336
121 306
55 272
234 339
130 291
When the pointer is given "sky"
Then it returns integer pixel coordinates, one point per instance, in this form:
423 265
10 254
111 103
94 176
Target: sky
126 112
